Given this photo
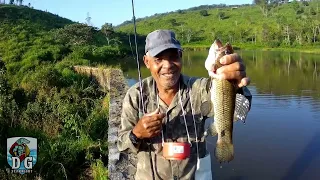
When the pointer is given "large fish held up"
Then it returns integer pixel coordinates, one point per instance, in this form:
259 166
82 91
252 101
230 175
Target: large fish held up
223 97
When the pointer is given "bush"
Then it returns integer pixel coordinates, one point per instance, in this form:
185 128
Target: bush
204 13
46 99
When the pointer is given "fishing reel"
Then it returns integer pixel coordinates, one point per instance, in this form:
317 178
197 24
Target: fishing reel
176 150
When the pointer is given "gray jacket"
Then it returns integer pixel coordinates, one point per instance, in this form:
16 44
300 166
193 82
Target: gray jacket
174 129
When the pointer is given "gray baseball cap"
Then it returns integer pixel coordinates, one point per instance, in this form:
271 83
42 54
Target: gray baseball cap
160 40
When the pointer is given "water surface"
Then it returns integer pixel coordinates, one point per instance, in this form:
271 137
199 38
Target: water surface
281 138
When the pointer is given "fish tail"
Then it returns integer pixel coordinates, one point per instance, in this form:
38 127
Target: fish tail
224 152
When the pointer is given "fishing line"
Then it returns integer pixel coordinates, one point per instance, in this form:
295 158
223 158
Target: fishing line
140 83
131 47
137 54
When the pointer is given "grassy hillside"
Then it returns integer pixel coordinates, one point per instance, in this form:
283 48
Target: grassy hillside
289 25
41 96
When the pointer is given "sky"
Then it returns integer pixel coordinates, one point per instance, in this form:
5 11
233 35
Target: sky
118 11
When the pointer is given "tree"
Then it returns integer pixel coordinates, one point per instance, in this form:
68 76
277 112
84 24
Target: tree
264 6
295 5
287 32
173 22
180 11
213 33
315 25
221 15
88 19
182 30
75 34
107 30
11 2
298 30
204 13
8 106
189 35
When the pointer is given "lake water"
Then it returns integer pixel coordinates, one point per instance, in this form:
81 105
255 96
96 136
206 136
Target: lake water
281 138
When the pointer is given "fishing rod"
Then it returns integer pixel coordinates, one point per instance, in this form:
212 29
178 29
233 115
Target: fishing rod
137 54
140 82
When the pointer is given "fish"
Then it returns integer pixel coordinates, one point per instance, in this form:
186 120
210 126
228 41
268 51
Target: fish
223 97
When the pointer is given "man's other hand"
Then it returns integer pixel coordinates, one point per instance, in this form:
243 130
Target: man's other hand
149 125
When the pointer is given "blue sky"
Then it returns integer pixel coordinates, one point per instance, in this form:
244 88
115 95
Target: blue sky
117 11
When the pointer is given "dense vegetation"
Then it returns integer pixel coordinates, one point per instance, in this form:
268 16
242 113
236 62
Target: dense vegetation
42 97
265 23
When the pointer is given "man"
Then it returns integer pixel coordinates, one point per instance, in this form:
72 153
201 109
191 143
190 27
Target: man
166 94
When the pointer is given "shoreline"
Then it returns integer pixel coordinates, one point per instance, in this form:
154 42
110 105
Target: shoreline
311 50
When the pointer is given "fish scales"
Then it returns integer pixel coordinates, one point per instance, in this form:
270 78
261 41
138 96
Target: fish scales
223 96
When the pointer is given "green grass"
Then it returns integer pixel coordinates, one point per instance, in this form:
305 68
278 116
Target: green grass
246 27
42 97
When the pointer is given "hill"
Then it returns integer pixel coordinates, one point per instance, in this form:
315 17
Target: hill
42 97
277 24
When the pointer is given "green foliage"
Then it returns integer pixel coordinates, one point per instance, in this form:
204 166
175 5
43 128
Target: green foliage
108 31
221 15
43 97
99 171
75 34
180 11
21 15
8 106
204 13
274 23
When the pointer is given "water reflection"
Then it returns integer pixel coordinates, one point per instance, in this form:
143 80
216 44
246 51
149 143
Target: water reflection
281 137
283 73
303 161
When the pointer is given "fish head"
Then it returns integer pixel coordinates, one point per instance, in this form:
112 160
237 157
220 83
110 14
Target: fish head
216 52
228 49
23 141
220 51
212 56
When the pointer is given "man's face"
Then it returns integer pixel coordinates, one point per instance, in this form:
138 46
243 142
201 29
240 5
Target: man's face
165 67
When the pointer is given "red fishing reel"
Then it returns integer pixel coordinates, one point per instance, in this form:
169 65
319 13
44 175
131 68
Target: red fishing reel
176 150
